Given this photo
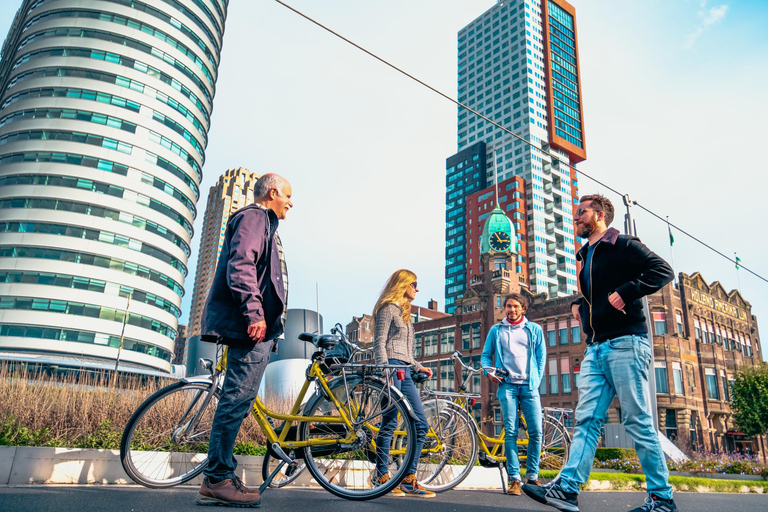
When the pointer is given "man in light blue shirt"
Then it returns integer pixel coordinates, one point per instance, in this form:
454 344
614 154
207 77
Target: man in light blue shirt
517 346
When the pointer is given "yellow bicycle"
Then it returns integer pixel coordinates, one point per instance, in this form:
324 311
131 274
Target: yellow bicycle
455 442
165 443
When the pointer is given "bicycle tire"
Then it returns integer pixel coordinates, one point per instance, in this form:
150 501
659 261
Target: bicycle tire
155 449
455 430
555 444
286 475
346 470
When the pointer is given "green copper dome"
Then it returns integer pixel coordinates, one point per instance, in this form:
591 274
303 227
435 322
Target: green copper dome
498 233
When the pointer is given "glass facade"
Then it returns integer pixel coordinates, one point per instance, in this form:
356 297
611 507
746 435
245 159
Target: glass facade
465 174
104 115
565 80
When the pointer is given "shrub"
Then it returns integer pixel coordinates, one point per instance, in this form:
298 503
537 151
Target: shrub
603 454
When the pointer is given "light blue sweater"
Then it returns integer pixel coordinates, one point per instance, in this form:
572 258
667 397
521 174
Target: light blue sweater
505 348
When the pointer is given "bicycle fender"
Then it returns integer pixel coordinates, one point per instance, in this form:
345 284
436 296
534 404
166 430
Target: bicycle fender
200 379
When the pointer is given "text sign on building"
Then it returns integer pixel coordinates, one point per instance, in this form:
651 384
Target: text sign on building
718 305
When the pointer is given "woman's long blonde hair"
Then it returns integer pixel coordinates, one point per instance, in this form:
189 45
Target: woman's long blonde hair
394 292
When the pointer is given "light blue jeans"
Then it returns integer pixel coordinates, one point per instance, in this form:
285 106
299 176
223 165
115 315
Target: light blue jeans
510 395
618 367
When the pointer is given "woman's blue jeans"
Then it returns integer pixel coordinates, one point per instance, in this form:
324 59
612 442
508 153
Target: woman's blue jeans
389 423
618 367
510 396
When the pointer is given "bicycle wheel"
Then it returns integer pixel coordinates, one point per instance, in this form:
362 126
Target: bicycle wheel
345 468
450 449
165 443
286 475
555 445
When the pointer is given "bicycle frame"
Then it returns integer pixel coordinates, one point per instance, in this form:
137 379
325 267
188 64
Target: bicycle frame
314 373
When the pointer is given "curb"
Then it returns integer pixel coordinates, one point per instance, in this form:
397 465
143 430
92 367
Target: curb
24 465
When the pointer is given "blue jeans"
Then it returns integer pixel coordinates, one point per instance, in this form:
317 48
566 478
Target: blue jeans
245 368
389 423
620 367
510 396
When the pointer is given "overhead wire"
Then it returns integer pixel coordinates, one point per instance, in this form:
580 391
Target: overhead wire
517 136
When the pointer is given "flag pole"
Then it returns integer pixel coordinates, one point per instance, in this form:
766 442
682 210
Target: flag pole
671 251
738 278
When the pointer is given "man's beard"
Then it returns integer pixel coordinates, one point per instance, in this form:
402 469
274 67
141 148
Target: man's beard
584 231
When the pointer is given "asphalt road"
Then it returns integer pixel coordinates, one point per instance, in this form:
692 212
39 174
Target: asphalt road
93 498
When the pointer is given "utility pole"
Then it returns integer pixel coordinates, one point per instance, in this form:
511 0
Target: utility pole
630 228
122 337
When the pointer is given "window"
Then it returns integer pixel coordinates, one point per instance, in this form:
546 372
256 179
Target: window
416 346
476 335
712 391
563 336
679 321
697 328
575 335
565 373
551 338
553 384
446 341
476 377
465 337
447 382
566 377
726 390
543 386
677 377
430 343
662 378
659 323
671 424
576 376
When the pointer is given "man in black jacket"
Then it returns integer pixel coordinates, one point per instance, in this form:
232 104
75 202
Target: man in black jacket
245 310
617 272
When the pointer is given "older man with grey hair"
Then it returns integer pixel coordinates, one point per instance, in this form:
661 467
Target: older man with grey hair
245 311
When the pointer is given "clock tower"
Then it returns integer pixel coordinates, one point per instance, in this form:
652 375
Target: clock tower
498 237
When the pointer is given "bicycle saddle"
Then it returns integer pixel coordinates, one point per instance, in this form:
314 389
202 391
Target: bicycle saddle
325 341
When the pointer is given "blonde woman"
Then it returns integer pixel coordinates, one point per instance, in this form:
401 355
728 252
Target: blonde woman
393 345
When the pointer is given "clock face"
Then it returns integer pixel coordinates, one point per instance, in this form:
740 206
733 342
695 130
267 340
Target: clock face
500 241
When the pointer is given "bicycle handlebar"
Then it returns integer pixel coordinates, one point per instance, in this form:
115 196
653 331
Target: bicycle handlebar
458 356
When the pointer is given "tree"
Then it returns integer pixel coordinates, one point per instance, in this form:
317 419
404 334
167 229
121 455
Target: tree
750 399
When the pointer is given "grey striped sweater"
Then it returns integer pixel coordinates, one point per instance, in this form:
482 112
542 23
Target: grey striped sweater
393 337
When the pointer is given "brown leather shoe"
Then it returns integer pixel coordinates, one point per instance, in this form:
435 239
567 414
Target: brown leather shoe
228 492
247 489
535 482
515 487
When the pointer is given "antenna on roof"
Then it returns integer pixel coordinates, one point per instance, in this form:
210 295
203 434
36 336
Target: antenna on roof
495 173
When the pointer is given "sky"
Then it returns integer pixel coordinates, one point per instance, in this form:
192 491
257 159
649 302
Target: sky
674 114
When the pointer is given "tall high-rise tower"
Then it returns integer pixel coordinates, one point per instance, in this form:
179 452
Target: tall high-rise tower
232 191
104 112
518 65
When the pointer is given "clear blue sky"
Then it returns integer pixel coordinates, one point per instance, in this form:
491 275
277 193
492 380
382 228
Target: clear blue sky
674 107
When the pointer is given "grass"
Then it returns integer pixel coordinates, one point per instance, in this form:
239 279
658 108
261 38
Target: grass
634 482
83 410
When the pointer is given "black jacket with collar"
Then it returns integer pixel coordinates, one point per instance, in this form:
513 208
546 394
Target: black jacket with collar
621 264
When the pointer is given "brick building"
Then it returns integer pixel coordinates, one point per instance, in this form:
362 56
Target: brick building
702 336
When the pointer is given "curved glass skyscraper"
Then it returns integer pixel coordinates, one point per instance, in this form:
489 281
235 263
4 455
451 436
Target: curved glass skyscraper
104 111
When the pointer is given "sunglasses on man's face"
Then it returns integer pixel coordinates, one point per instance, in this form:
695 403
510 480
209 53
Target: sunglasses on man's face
582 211
414 285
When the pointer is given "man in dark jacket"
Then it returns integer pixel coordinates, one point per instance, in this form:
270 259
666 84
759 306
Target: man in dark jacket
617 272
245 310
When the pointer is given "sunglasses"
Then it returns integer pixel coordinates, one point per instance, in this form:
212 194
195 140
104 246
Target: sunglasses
414 285
582 211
